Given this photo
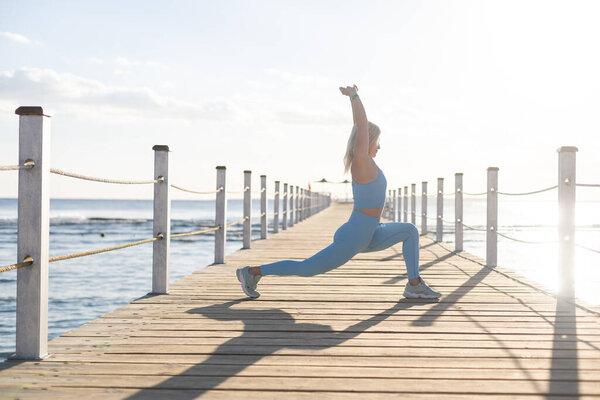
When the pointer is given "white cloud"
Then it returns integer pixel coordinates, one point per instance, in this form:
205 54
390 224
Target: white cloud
15 37
95 60
63 91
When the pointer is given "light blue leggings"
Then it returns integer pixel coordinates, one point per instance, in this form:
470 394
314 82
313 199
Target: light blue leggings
362 233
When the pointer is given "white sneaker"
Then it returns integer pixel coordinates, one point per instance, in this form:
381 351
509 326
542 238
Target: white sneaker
248 281
420 291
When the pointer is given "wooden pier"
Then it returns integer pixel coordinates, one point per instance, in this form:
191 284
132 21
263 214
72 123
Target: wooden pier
347 334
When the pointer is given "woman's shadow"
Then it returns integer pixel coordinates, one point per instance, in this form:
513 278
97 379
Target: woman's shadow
239 352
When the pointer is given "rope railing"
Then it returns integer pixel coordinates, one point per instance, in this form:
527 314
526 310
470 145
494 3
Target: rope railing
178 235
26 262
473 229
528 193
237 222
513 238
239 191
197 192
587 184
514 194
525 241
15 167
474 194
587 248
103 180
104 250
502 193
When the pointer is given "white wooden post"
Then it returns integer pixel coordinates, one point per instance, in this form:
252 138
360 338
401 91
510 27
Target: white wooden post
263 206
492 217
393 209
388 204
161 222
424 208
284 217
392 204
439 231
33 234
399 213
458 211
405 203
221 215
307 193
413 203
276 209
291 220
300 199
306 203
566 217
299 204
310 198
247 209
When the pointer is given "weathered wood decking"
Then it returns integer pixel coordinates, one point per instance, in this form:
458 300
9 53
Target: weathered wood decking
346 334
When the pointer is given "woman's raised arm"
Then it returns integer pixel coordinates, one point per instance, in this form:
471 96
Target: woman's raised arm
361 146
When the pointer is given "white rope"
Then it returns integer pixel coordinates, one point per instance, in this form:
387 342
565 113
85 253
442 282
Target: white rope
526 241
527 193
587 184
195 192
104 250
26 262
475 194
15 167
587 248
475 229
237 222
89 178
239 191
178 235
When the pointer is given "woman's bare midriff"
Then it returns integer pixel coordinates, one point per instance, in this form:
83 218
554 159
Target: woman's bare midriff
375 212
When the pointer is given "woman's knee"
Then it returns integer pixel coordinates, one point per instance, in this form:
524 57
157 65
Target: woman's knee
412 230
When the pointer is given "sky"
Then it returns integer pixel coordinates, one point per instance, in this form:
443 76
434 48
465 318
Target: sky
455 86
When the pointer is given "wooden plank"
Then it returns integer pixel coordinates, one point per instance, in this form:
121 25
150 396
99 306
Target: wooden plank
309 383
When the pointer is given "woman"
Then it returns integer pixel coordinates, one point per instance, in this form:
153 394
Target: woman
363 232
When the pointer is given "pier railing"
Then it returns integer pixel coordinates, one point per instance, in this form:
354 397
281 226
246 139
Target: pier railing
34 216
397 209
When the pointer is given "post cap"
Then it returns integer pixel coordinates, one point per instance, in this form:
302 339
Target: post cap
458 173
221 167
440 179
30 110
159 147
263 176
247 171
493 168
568 149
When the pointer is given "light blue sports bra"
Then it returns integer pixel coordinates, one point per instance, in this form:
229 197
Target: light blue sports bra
369 195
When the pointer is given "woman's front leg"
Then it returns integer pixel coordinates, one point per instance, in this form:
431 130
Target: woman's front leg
390 233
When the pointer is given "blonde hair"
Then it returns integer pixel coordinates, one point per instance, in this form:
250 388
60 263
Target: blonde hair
374 133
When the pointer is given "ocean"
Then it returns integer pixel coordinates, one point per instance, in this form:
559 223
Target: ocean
83 289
